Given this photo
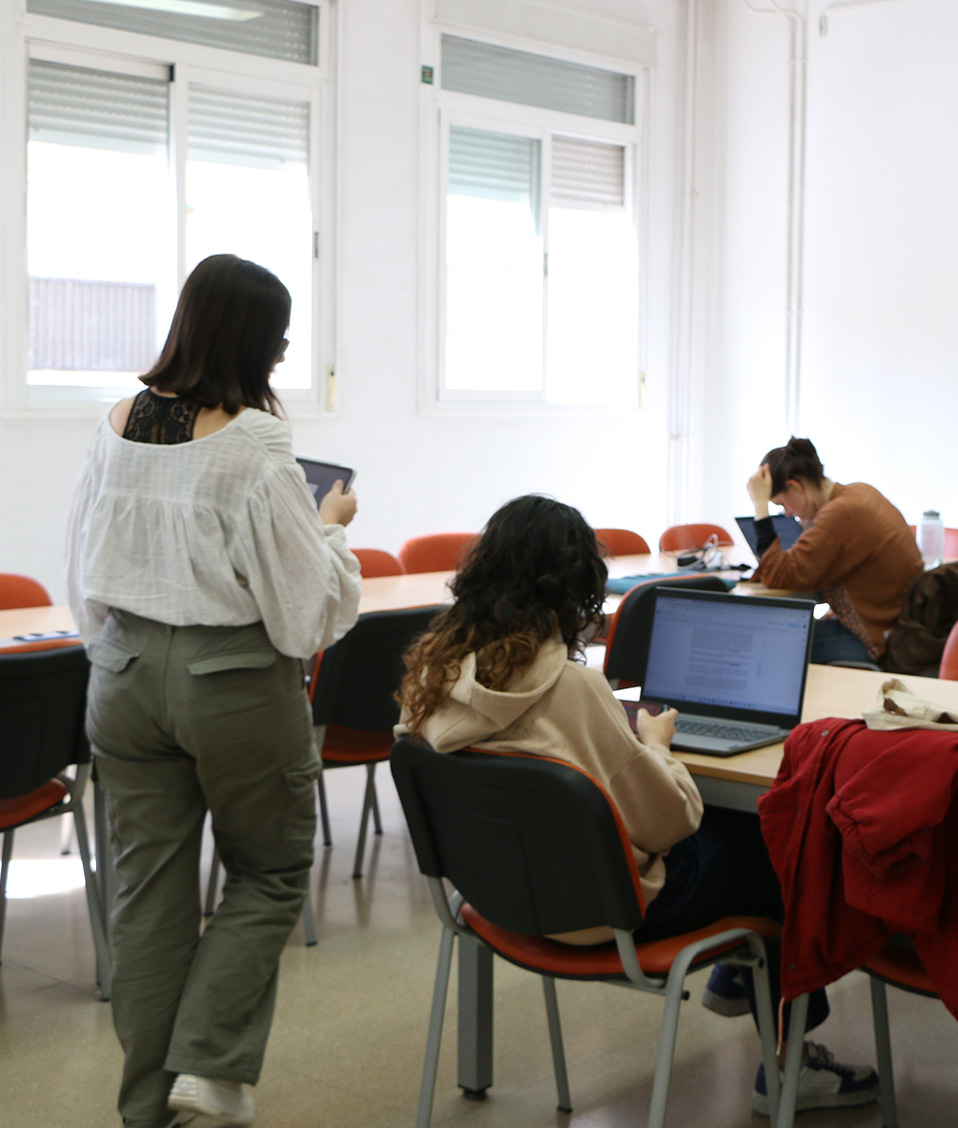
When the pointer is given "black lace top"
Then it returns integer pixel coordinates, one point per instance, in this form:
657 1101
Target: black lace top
160 419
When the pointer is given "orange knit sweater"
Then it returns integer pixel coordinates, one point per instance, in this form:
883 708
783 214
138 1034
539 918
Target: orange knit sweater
862 555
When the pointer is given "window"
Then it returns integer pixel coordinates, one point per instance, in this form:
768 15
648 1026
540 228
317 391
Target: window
139 163
538 292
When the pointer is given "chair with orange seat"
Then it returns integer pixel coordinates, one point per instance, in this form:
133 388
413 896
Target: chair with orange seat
354 707
42 733
22 591
435 552
682 538
898 965
622 542
377 562
534 847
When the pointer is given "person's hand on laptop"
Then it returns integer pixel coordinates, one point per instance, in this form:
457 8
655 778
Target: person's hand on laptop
658 729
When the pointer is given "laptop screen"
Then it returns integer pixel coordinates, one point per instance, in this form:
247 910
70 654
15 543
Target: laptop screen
787 529
729 654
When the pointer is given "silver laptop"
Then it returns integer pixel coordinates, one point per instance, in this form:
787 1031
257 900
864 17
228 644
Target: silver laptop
733 665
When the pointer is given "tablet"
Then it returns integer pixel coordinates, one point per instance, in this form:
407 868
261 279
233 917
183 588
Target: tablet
320 476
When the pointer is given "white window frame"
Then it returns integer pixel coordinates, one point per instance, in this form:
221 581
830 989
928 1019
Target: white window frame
24 36
444 108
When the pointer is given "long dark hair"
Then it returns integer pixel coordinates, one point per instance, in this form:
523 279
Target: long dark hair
226 334
798 460
535 572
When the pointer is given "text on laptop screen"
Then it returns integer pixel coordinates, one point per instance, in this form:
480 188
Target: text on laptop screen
731 653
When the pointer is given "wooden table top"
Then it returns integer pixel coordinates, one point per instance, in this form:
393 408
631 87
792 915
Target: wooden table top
831 690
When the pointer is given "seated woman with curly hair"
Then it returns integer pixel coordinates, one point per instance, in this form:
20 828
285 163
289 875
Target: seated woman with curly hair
498 670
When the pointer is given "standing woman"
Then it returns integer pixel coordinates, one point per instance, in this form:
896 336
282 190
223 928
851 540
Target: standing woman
856 547
200 573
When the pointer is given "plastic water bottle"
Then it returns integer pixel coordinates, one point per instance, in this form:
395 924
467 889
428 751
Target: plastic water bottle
931 538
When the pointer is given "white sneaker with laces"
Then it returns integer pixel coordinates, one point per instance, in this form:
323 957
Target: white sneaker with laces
214 1104
823 1083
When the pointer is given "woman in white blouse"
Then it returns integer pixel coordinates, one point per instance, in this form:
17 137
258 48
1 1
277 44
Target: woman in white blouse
200 573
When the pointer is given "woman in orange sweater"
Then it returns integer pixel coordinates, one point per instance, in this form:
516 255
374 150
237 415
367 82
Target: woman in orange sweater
856 548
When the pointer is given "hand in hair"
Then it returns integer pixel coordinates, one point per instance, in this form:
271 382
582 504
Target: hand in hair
760 490
658 729
338 508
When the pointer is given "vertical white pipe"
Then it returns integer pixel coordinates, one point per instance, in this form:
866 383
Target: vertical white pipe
680 387
795 208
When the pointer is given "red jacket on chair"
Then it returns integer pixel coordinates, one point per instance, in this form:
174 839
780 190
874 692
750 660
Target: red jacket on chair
862 833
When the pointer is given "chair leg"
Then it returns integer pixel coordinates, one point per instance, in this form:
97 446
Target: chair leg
555 1037
674 990
309 921
793 1063
4 869
377 821
210 903
104 959
430 1067
323 810
886 1076
766 1031
369 800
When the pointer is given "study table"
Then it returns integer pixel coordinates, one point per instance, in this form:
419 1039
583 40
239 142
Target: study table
734 782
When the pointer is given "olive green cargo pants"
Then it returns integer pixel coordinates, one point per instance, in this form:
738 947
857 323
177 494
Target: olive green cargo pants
184 720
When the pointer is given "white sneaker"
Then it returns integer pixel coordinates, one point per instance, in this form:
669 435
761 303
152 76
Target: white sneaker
215 1104
823 1083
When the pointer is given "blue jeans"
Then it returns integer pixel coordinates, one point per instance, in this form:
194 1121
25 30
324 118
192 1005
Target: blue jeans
834 642
724 870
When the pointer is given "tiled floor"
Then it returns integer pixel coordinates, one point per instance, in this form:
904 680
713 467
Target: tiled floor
347 1042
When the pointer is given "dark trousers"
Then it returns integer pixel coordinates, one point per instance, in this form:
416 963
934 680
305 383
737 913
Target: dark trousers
724 870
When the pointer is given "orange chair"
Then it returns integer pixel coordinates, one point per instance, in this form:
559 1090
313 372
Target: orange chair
435 552
42 712
680 538
622 542
897 964
533 847
949 656
353 692
21 591
377 562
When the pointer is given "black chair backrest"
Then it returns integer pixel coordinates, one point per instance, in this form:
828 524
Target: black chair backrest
532 844
42 714
359 676
625 657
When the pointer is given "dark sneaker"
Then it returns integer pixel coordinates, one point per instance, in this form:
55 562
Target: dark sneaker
823 1083
725 993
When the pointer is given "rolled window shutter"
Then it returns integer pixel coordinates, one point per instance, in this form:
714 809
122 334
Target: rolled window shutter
74 106
277 29
587 173
470 67
235 129
495 166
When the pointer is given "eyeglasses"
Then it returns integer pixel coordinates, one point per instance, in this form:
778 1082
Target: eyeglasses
283 346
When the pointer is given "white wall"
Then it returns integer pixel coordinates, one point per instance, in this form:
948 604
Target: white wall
880 341
417 473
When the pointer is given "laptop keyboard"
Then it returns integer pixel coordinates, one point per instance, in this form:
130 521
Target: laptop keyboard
721 731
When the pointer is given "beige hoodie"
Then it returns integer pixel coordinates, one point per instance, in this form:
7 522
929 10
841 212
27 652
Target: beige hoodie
565 710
